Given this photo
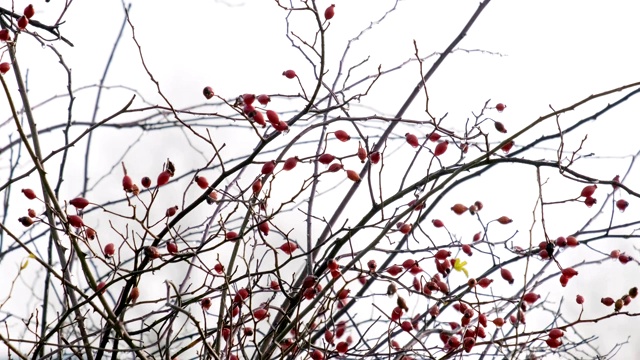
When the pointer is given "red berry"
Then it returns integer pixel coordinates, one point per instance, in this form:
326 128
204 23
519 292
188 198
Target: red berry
91 234
290 163
172 247
146 182
485 282
231 235
374 157
79 202
206 304
353 176
282 127
171 211
289 247
615 254
406 326
4 67
208 92
434 137
500 107
31 213
564 280
328 336
26 221
506 274
335 274
329 12
453 342
616 181
569 272
248 99
394 270
268 167
316 355
218 268
556 333
259 118
127 183
415 269
466 248
135 294
362 153
335 167
459 209
580 299
507 147
590 201
531 297
441 148
553 343
622 204
342 135
482 320
163 178
29 11
498 322
273 117
100 287
343 294
372 265
23 22
260 314
332 264
202 182
500 127
412 139
477 236
257 186
263 99
274 285
442 254
607 301
418 205
75 221
560 241
4 35
264 228
624 258
342 347
504 220
572 241
249 110
30 194
152 252
588 190
407 264
468 343
405 228
109 250
289 74
437 223
309 282
326 159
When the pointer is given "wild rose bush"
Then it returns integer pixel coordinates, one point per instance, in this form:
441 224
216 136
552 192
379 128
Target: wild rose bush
308 224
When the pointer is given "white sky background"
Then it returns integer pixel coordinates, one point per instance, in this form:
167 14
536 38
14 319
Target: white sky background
555 53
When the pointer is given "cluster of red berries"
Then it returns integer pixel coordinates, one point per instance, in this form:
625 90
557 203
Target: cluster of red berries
440 149
624 300
622 257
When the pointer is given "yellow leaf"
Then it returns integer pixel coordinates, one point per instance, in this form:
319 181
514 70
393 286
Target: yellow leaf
459 265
